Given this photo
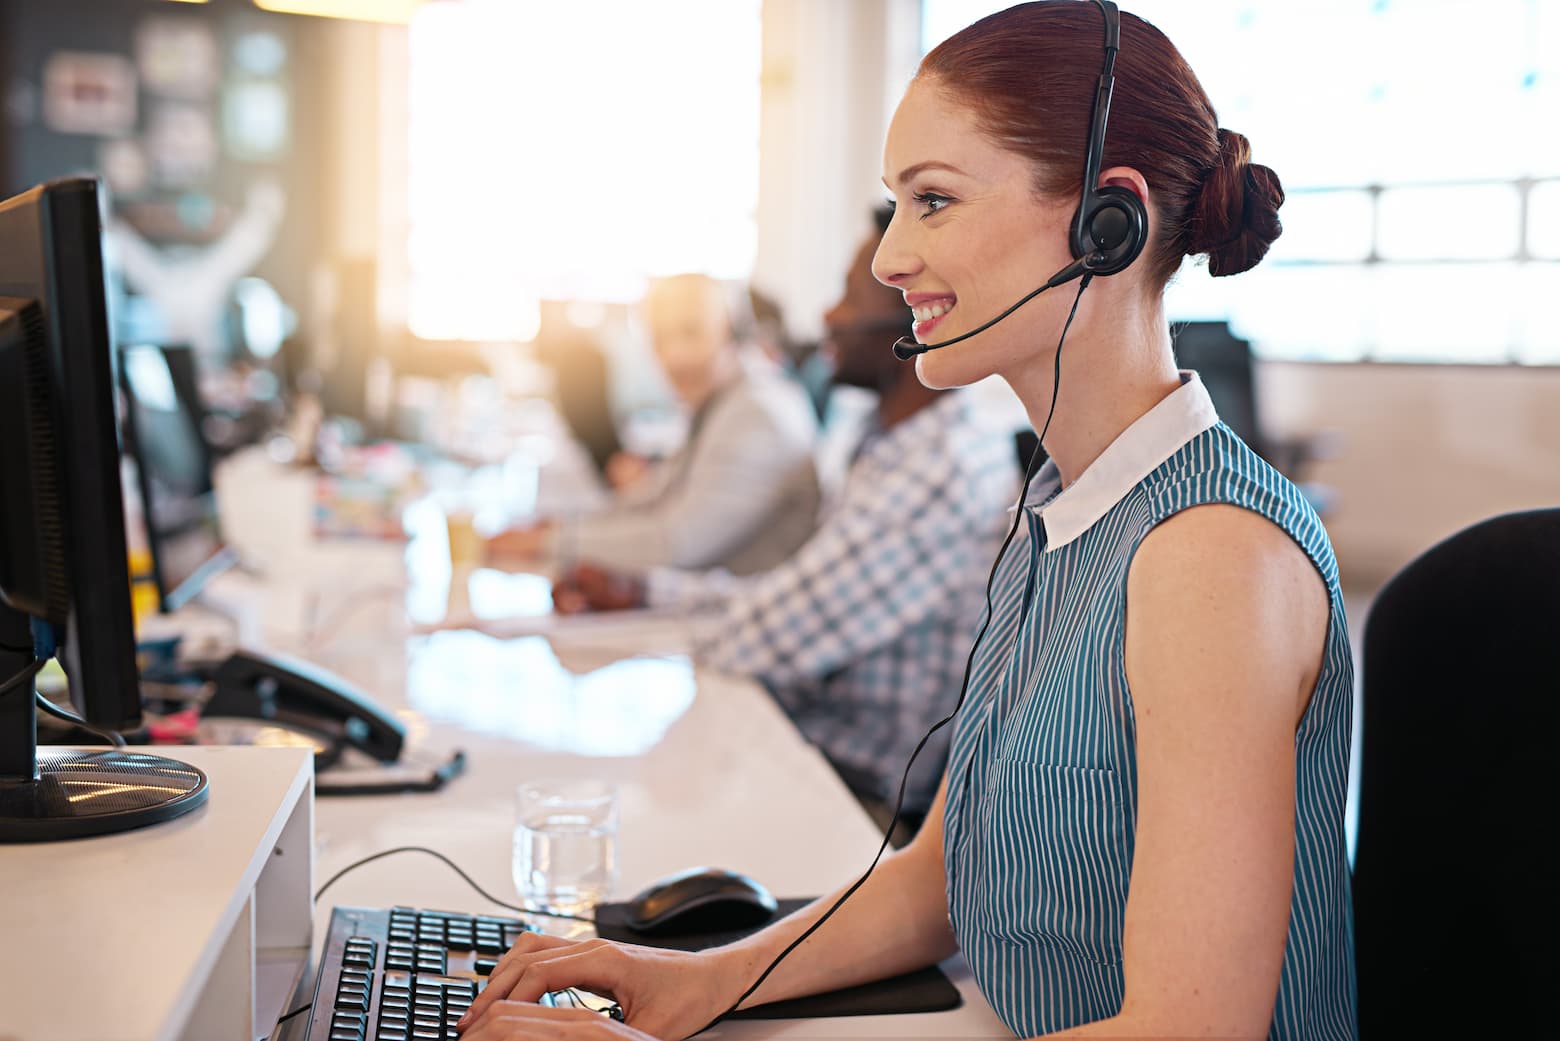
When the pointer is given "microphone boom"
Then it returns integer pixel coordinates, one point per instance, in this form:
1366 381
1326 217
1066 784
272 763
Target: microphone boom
906 348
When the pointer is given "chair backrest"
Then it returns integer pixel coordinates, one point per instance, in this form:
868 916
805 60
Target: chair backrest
1223 362
1454 889
1025 444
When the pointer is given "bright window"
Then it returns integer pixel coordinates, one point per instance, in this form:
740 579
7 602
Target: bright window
1416 143
572 150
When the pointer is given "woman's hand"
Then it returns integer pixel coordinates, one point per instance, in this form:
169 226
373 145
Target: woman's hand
517 1021
665 994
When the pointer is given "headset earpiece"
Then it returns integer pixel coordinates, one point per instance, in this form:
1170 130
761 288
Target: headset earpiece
1112 223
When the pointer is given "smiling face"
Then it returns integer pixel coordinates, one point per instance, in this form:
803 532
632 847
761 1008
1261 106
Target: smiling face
969 239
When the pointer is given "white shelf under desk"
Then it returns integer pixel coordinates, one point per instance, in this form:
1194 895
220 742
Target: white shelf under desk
196 929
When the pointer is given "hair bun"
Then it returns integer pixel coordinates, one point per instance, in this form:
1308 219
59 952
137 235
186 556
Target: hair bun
1235 217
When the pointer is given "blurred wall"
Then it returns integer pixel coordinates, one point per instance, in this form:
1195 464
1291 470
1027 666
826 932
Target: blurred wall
1425 450
832 75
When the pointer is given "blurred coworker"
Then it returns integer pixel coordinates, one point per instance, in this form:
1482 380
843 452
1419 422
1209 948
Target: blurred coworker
742 493
862 635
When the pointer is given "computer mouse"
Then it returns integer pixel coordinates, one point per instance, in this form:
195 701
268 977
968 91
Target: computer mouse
700 900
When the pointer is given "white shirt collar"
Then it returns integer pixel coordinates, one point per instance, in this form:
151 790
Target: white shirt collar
1137 451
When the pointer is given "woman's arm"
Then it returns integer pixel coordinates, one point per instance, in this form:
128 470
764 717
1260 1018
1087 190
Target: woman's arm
1226 625
896 922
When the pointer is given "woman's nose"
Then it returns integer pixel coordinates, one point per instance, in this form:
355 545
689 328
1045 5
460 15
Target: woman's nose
894 262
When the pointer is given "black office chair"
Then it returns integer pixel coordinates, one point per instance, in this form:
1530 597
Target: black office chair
1025 444
1223 362
1454 889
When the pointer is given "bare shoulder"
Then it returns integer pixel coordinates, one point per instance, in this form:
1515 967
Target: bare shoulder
1221 589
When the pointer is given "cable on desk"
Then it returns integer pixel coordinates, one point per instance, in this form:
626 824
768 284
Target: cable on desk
21 678
456 868
54 710
295 1012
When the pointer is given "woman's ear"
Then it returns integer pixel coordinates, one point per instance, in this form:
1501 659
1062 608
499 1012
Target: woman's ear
1126 177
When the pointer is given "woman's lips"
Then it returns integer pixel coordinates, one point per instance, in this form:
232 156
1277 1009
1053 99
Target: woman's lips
930 314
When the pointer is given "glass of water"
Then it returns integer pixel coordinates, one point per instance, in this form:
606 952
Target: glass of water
565 849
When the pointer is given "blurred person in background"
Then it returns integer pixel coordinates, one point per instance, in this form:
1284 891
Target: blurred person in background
742 493
861 636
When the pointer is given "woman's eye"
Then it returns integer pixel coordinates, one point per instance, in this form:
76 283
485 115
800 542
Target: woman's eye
931 202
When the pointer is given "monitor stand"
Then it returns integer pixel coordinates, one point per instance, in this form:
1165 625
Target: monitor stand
62 793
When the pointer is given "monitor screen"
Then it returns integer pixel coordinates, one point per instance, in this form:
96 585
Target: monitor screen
64 570
163 417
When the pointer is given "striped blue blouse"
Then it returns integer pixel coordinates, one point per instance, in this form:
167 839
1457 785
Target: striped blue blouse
1042 790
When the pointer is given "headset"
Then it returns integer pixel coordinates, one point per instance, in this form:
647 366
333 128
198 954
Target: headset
1110 227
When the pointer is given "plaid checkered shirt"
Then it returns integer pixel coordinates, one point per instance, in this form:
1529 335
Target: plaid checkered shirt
862 635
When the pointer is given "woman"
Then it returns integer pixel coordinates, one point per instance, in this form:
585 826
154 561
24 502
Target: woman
1140 831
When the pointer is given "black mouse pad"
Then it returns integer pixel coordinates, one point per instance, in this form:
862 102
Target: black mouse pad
926 990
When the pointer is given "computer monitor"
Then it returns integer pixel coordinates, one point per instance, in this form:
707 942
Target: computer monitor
64 575
163 418
1224 364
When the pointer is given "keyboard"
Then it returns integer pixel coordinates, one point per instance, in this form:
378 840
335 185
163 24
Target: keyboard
402 974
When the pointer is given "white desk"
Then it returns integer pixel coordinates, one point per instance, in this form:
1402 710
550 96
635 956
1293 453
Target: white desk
710 770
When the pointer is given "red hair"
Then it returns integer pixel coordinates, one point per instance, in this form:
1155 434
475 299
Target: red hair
1028 74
